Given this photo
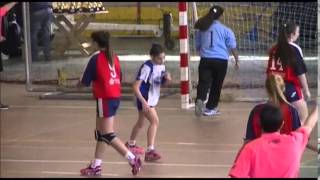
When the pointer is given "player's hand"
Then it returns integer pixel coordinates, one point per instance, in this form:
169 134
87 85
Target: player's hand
167 76
145 107
79 84
308 95
236 66
2 38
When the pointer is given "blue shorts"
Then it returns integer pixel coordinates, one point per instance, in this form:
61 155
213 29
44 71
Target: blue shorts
293 93
139 105
107 107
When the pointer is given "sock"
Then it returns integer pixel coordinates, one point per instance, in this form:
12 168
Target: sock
150 148
96 162
132 142
130 156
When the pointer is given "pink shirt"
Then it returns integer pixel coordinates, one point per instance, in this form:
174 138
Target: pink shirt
273 155
3 11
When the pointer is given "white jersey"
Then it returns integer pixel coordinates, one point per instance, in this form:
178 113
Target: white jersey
152 76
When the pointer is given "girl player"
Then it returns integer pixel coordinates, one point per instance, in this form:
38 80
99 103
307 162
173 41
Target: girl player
275 87
150 77
103 70
286 59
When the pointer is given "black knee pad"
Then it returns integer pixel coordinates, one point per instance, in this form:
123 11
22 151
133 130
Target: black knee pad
97 135
107 138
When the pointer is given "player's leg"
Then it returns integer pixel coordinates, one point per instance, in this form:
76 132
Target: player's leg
219 71
151 154
131 144
205 75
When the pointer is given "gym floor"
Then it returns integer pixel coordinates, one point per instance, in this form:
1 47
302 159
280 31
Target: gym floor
55 138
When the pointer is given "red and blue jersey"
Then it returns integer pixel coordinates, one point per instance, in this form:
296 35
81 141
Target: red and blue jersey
106 79
289 74
290 117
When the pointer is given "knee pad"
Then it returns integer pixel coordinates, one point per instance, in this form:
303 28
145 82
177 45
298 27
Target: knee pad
108 138
97 135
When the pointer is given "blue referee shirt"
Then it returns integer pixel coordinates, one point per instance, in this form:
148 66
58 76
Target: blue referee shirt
215 42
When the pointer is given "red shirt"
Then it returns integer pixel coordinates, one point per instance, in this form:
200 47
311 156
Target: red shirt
287 72
273 155
3 12
290 117
105 79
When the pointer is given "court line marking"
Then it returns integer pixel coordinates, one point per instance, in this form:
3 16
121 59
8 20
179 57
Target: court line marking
126 163
90 141
162 149
45 106
117 175
76 173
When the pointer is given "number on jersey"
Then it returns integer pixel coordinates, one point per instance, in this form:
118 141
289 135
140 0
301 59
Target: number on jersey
276 65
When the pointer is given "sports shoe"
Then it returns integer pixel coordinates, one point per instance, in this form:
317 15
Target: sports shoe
136 165
89 171
152 156
211 112
2 106
135 149
198 107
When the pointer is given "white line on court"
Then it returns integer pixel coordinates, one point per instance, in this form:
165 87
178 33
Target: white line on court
162 149
126 163
115 163
90 141
93 107
73 173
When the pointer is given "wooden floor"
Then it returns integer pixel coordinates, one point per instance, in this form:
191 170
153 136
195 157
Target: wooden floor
54 138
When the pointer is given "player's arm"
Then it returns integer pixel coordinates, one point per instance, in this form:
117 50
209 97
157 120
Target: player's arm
232 45
312 119
136 90
4 9
89 73
166 79
301 70
304 83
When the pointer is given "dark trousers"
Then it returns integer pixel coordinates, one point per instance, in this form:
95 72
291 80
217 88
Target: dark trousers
211 75
40 22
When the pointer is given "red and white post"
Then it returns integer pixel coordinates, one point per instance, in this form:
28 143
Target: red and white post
184 55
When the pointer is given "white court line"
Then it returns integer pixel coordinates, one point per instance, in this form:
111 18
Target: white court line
115 163
94 107
74 173
126 163
118 175
90 141
162 149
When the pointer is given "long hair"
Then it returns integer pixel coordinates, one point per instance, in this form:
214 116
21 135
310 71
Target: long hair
275 87
205 22
284 50
102 38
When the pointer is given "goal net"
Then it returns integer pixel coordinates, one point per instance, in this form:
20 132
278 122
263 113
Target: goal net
256 27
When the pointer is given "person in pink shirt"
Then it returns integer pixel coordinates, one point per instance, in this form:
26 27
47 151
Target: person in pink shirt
273 155
3 11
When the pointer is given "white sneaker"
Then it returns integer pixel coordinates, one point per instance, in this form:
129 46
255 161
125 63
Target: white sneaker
211 112
198 107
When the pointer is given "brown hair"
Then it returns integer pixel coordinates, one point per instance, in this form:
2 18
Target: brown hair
102 38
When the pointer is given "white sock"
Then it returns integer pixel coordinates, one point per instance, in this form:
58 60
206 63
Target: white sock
150 148
132 142
130 156
96 162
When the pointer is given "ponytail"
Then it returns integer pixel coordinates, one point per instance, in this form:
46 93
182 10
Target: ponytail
205 22
284 50
102 38
275 87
